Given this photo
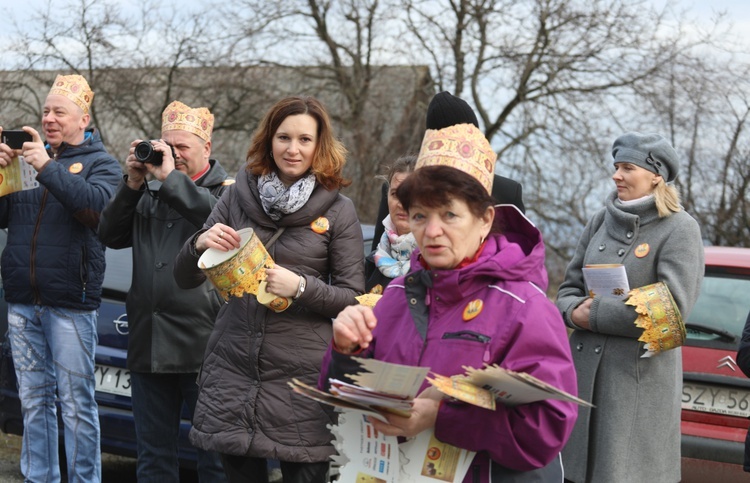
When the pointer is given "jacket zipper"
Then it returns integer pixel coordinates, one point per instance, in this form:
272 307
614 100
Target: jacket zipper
84 271
472 336
32 262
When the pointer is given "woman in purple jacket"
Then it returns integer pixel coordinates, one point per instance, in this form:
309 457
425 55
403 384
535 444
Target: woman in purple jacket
475 294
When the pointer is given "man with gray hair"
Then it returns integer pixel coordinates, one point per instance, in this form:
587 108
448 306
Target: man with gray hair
168 326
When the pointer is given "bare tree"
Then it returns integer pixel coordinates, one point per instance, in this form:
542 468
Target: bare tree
379 109
550 80
704 107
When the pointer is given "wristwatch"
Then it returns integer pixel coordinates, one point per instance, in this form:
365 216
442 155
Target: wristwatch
301 287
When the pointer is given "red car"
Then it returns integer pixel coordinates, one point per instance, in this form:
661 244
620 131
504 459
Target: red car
716 394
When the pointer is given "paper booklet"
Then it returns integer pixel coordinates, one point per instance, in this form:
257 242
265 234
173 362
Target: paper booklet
17 176
513 388
366 455
606 280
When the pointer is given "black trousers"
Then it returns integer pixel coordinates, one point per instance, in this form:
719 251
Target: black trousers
241 469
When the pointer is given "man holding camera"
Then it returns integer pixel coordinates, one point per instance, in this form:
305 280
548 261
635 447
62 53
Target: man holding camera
52 271
168 326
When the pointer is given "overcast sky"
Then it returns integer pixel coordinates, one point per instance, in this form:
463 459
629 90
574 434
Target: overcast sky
737 11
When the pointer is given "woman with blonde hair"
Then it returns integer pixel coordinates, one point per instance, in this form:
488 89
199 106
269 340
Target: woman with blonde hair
643 227
289 195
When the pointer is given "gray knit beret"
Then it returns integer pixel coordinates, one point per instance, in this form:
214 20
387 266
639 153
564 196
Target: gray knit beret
649 151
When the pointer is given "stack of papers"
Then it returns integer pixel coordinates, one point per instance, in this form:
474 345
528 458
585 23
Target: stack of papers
391 403
381 388
366 455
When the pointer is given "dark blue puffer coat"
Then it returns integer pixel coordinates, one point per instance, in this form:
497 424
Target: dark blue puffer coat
53 256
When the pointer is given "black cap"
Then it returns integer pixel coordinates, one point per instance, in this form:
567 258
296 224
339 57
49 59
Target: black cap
445 110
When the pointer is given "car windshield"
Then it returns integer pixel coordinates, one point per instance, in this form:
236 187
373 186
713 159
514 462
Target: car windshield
721 309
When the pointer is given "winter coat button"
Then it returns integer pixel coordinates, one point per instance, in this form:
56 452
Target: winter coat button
598 349
579 347
629 234
621 252
413 301
602 247
410 280
159 264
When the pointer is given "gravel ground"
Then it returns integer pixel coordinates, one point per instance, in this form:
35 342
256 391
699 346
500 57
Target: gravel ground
10 447
115 469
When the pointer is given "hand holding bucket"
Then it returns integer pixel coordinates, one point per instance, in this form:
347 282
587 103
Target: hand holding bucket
236 271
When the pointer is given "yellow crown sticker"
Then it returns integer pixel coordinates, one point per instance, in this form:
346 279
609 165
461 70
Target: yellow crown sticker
642 250
320 225
473 309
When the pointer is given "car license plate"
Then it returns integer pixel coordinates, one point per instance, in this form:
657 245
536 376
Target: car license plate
715 399
113 380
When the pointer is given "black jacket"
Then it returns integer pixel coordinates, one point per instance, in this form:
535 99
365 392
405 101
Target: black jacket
743 361
168 326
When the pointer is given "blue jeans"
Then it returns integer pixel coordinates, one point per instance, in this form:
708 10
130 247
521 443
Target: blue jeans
53 350
157 405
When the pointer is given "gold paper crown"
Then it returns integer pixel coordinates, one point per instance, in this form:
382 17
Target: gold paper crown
75 88
179 117
463 147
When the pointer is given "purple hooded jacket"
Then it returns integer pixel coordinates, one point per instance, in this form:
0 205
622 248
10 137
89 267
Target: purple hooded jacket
422 322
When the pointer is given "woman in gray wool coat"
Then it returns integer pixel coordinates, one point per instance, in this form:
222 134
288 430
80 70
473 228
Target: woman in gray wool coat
633 434
246 410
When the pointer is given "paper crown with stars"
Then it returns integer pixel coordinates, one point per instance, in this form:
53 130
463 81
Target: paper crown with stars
463 147
75 88
179 117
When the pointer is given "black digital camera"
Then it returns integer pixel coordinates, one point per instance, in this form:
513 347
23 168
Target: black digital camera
145 153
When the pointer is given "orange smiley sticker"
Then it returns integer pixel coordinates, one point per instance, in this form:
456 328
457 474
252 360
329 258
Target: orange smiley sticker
75 168
473 309
320 225
642 250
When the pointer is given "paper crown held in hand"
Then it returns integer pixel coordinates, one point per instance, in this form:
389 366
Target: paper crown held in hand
180 117
75 88
659 317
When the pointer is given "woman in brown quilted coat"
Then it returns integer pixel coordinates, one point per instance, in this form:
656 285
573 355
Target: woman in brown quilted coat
289 191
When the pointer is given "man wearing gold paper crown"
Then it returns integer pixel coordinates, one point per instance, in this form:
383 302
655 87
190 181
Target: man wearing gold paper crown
52 271
168 326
